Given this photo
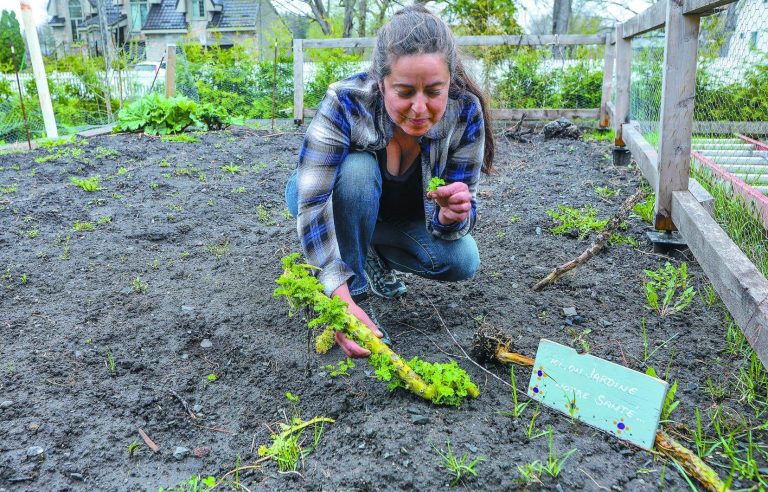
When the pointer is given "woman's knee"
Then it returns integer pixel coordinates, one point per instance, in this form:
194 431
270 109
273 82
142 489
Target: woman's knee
292 194
463 260
358 180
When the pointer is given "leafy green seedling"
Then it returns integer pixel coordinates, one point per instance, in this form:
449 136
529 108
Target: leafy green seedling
82 226
644 209
287 448
180 138
110 363
554 464
672 283
584 220
670 404
139 286
341 368
91 184
231 168
212 377
605 192
459 468
132 448
435 183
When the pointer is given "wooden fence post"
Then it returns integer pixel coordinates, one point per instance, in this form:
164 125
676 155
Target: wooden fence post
605 96
678 88
623 79
170 70
33 44
298 81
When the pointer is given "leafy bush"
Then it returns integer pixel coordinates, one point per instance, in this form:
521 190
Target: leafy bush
158 115
234 81
530 81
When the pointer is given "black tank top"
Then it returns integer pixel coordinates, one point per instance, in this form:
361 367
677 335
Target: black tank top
401 196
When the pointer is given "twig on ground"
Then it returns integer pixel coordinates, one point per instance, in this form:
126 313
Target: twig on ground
149 442
184 404
596 246
601 487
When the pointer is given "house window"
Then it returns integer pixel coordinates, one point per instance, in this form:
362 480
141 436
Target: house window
139 12
753 39
198 9
75 16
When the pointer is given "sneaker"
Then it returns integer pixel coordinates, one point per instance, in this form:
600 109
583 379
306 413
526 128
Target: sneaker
364 302
383 281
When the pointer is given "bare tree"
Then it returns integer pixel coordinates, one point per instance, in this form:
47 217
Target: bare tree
349 15
561 16
362 15
320 14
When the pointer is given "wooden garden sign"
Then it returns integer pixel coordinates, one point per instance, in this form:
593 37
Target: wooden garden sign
605 395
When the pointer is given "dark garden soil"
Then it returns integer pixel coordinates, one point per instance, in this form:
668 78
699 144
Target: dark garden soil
178 286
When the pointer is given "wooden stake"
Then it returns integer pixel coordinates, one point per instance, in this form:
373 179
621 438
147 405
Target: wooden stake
596 246
170 70
274 86
41 81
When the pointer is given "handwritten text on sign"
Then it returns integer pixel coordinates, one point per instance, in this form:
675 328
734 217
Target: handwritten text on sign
605 395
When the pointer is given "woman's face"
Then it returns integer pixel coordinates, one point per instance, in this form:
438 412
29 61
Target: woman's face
416 92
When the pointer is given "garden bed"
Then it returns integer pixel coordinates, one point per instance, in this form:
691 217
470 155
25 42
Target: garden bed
168 301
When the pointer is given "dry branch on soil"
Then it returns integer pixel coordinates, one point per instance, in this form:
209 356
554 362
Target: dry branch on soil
596 246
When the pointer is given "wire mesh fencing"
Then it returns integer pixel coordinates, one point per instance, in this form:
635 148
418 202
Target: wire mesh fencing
235 81
645 84
731 113
82 95
552 77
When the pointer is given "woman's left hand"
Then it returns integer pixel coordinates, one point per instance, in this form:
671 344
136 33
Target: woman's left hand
455 202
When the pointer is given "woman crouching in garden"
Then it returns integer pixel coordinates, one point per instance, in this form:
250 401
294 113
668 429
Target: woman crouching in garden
378 138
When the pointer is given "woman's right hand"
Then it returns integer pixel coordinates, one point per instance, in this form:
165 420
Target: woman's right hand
350 348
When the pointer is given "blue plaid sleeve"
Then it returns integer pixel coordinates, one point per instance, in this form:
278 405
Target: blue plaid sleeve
326 145
463 164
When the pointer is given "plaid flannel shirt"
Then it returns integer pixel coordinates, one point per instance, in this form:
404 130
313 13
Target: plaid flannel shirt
352 118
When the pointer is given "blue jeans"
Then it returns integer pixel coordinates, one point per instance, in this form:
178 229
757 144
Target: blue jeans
405 245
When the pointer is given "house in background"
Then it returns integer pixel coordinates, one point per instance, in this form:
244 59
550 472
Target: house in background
156 23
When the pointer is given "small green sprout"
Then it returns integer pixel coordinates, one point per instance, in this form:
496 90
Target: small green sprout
91 184
341 368
212 377
110 363
132 448
460 468
434 183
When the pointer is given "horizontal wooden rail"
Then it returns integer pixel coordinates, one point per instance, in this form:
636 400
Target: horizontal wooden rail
516 114
649 19
703 7
643 152
511 40
655 16
740 285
